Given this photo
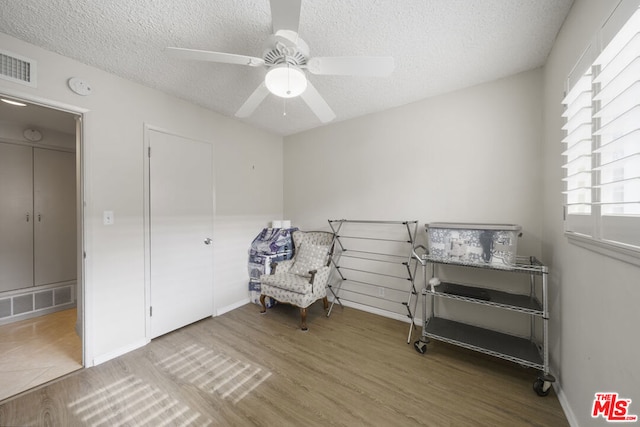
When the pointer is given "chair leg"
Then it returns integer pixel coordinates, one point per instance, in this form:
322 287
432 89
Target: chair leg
325 302
303 315
264 306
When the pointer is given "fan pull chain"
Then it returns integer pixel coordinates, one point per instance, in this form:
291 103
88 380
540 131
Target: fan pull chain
288 77
284 106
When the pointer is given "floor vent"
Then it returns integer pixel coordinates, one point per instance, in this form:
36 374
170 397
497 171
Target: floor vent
29 303
43 299
5 307
17 69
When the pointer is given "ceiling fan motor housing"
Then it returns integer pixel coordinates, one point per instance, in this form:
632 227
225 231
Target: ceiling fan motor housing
285 47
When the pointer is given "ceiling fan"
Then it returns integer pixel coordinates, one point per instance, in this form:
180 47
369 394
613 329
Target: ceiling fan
286 56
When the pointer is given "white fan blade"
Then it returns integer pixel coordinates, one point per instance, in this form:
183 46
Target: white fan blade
253 101
207 55
376 66
318 105
285 15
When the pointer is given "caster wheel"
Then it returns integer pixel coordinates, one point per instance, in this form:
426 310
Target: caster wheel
542 387
420 347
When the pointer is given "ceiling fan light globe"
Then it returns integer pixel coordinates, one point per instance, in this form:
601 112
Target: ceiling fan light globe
286 81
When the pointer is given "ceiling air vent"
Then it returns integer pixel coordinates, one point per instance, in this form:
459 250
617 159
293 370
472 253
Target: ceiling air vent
17 69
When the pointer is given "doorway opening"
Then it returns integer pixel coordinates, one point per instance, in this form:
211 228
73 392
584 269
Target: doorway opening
41 263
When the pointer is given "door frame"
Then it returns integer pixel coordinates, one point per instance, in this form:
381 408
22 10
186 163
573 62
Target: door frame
83 291
148 128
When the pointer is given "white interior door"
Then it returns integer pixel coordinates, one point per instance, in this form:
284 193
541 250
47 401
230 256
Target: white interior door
181 226
54 203
16 217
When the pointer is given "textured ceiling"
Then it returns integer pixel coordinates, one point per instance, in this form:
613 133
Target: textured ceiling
438 46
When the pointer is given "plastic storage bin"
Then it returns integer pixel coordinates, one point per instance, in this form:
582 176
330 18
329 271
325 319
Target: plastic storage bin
480 244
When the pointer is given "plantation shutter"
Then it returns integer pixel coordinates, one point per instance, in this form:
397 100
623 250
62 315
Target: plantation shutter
578 142
617 135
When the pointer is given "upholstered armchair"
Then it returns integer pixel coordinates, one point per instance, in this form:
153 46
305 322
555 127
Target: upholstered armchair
303 279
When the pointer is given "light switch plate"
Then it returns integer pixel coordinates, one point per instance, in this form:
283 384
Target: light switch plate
107 217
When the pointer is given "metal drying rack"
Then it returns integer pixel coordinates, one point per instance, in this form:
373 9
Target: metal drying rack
373 268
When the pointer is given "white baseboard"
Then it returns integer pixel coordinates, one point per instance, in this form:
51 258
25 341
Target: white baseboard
564 403
119 352
375 310
227 308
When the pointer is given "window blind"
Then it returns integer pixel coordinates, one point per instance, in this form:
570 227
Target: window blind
577 155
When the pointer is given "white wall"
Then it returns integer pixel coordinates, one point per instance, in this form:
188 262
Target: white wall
457 157
468 156
594 301
113 143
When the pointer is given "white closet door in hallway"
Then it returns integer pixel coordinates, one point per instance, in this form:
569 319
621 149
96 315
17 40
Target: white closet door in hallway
54 207
37 216
16 217
181 228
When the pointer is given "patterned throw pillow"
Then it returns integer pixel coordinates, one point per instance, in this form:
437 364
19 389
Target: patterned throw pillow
309 257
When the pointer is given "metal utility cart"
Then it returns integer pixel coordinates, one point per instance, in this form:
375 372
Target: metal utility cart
526 352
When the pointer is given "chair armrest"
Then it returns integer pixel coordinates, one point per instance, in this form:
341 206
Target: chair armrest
313 275
319 278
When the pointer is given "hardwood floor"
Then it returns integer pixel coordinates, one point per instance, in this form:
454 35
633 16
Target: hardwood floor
38 350
243 368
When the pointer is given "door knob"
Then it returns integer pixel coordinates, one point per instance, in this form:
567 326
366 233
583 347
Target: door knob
208 241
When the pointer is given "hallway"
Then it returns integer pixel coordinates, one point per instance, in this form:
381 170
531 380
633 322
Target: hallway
38 350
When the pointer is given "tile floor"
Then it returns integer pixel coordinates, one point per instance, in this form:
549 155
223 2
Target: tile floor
35 351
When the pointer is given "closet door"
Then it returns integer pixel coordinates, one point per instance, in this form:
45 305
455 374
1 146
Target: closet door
16 217
181 225
54 205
